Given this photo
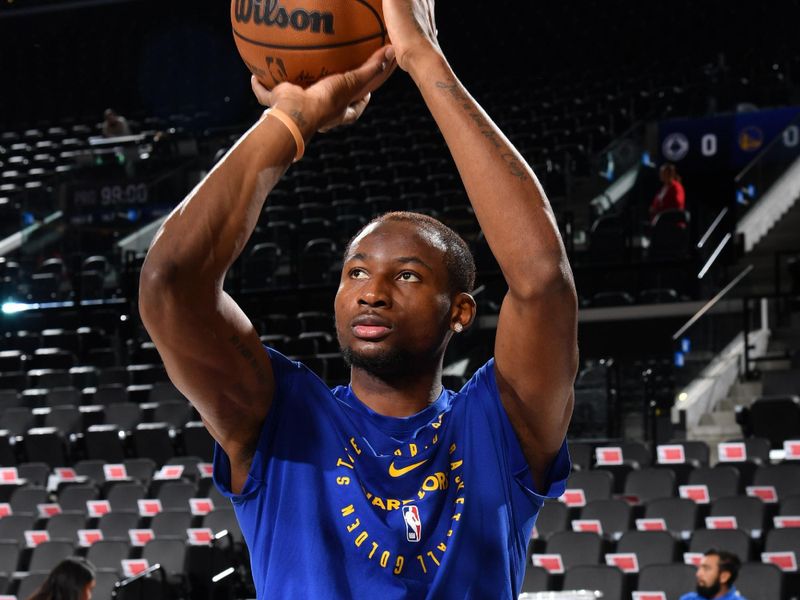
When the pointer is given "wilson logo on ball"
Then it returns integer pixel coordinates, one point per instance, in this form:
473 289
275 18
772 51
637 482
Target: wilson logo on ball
272 14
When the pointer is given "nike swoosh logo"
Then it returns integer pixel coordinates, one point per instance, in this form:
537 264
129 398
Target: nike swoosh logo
395 472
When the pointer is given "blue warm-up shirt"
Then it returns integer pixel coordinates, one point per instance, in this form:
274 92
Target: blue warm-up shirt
341 502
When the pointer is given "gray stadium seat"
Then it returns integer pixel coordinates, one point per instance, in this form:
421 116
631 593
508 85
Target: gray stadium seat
615 516
760 581
721 480
650 484
650 547
596 484
732 540
576 548
608 580
674 580
680 514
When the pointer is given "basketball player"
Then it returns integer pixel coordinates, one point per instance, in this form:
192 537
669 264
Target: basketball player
390 487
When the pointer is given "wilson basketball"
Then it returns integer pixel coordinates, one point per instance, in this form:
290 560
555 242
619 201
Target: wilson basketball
302 41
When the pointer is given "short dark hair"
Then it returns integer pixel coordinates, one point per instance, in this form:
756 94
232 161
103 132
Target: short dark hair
728 561
67 580
458 259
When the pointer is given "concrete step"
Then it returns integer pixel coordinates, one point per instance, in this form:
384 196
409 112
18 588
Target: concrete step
743 393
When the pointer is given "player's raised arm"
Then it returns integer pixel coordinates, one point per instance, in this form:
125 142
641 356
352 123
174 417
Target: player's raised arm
536 348
210 348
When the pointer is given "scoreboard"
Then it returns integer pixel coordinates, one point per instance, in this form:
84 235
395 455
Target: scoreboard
729 142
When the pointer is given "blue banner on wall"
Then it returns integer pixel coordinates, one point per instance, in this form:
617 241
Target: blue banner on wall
727 141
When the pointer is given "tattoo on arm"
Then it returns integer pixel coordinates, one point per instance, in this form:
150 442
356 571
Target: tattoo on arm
245 352
515 167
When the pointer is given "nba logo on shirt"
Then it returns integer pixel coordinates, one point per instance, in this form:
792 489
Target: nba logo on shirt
413 523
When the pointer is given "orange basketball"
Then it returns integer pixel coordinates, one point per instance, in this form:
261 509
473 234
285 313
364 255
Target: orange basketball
301 41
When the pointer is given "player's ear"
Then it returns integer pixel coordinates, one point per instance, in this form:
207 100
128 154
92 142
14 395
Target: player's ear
463 311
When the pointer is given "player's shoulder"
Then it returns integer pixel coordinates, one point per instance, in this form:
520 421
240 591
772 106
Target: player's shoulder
292 376
482 382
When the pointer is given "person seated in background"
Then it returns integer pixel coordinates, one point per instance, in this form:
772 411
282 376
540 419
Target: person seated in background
671 196
114 125
71 579
715 576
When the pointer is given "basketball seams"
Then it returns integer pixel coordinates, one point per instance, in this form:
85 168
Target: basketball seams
378 18
320 47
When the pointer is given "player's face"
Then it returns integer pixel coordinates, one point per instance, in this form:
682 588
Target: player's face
393 305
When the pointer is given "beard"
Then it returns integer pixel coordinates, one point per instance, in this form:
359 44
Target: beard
708 591
392 362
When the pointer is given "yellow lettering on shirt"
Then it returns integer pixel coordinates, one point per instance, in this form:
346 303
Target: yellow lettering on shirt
412 448
460 500
452 448
341 463
354 445
374 547
398 565
354 525
362 537
343 480
378 502
441 547
385 558
348 510
422 563
392 504
433 558
455 465
430 484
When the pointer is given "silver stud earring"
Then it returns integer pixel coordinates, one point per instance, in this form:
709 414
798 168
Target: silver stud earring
458 328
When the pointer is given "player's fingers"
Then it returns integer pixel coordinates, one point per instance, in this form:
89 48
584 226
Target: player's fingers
370 75
355 110
263 95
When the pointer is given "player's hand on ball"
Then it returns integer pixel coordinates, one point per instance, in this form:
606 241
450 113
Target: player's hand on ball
412 28
333 101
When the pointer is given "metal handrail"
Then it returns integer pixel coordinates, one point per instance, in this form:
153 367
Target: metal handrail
713 226
711 303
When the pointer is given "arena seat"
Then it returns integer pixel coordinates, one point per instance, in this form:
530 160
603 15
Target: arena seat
124 496
680 515
30 583
9 556
172 523
65 525
553 517
73 497
650 484
608 580
750 513
109 553
673 579
775 418
47 555
596 484
760 581
784 477
103 442
576 548
24 500
732 540
721 480
116 524
615 516
536 579
650 547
